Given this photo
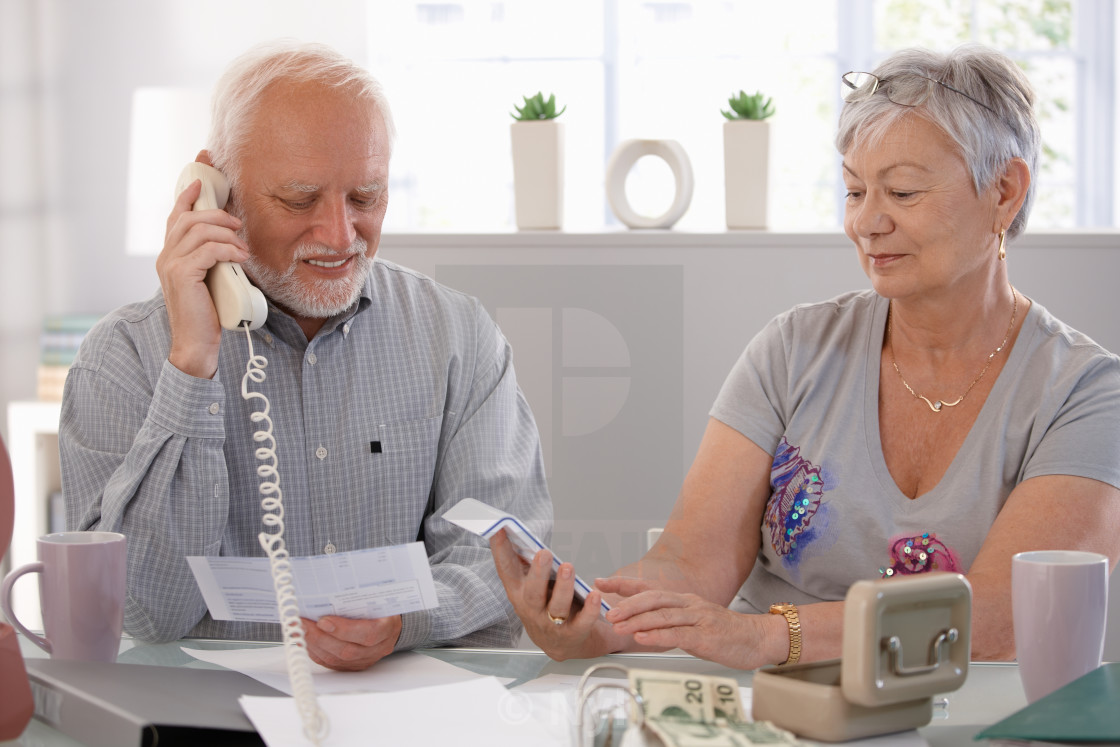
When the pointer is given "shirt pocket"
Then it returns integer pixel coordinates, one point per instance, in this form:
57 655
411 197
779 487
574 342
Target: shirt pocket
403 472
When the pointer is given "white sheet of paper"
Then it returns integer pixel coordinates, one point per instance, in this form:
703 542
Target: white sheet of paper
377 582
404 670
551 700
454 714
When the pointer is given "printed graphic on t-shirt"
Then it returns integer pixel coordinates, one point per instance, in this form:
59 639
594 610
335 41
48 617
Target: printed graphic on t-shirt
919 553
797 486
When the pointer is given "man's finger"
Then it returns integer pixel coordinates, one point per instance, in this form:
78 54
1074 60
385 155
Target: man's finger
507 562
560 601
361 632
536 587
589 614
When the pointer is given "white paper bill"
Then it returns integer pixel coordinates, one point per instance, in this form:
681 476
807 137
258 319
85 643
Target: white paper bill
377 582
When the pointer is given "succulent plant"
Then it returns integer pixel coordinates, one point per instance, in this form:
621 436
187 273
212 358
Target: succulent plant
744 106
537 108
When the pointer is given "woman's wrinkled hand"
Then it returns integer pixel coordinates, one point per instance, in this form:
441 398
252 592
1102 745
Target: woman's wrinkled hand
555 620
664 619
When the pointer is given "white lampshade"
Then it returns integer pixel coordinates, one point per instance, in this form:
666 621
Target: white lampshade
169 128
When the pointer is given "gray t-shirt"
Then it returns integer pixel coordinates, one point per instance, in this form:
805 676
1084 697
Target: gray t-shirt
806 389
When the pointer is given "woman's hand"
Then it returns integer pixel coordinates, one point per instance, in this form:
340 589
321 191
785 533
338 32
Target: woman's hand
539 604
666 619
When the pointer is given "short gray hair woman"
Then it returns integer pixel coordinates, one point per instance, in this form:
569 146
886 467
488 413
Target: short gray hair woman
999 126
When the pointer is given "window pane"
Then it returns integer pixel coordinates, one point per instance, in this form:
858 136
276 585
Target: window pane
679 63
1039 36
481 29
1053 79
452 167
1029 25
920 23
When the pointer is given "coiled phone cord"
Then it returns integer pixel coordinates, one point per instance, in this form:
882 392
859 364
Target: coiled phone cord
315 723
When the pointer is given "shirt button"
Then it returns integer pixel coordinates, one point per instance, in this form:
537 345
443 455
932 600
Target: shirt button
321 452
268 338
213 408
346 328
311 358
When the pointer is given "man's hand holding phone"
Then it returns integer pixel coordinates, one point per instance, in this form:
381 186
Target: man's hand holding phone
195 241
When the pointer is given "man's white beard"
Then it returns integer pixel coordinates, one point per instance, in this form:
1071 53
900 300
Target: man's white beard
312 300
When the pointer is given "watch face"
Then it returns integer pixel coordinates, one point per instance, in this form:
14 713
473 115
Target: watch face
781 609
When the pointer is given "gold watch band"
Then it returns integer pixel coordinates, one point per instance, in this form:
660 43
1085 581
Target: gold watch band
789 612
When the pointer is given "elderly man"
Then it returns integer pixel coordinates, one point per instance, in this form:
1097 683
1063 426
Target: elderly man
392 397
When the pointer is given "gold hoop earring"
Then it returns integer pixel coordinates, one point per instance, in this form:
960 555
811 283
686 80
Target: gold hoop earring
1002 251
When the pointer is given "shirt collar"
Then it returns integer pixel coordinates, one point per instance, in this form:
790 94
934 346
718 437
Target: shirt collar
282 325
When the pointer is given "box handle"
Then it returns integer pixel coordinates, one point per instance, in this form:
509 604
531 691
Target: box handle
893 645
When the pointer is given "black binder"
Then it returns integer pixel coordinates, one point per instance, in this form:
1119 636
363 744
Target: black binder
120 705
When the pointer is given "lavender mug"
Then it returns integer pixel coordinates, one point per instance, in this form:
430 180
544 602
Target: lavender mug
1059 601
81 593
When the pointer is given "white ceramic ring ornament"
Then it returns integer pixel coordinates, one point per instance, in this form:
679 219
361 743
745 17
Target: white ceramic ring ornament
618 168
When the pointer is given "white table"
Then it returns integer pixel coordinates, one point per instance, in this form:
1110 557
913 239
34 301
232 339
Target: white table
991 692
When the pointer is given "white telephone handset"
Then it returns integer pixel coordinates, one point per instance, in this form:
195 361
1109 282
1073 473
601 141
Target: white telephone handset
236 300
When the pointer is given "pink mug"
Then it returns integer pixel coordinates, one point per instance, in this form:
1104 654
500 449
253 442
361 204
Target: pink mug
81 593
1059 601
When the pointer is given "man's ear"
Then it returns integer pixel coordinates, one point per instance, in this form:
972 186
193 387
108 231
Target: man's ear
1012 187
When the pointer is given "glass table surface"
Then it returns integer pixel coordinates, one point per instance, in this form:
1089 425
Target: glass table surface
991 692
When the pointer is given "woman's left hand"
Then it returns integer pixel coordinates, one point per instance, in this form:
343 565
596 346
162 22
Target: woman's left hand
666 619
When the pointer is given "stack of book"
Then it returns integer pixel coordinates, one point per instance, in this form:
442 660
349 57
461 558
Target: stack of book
58 345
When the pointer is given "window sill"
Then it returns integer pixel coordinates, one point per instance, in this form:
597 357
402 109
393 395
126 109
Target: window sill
659 238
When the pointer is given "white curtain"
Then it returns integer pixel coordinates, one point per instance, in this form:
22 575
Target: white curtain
28 202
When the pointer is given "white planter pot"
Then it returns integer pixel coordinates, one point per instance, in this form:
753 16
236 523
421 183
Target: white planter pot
746 172
538 173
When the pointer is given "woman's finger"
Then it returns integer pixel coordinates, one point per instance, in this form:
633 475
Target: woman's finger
657 617
646 602
622 585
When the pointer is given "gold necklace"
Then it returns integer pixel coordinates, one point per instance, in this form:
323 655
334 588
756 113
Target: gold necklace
936 405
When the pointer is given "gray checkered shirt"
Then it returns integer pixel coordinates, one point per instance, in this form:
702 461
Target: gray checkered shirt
394 412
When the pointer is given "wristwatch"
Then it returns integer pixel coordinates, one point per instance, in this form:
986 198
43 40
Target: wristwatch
789 612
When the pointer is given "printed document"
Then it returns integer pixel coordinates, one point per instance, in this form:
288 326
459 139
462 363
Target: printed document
377 582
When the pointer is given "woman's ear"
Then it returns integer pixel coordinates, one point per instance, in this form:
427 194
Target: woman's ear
204 157
1012 188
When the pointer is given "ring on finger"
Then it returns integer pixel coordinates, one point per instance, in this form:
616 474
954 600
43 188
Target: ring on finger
556 620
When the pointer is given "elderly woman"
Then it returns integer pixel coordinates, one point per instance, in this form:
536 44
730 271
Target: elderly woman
942 421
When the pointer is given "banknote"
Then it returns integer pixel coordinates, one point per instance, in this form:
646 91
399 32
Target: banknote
681 732
688 710
704 699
